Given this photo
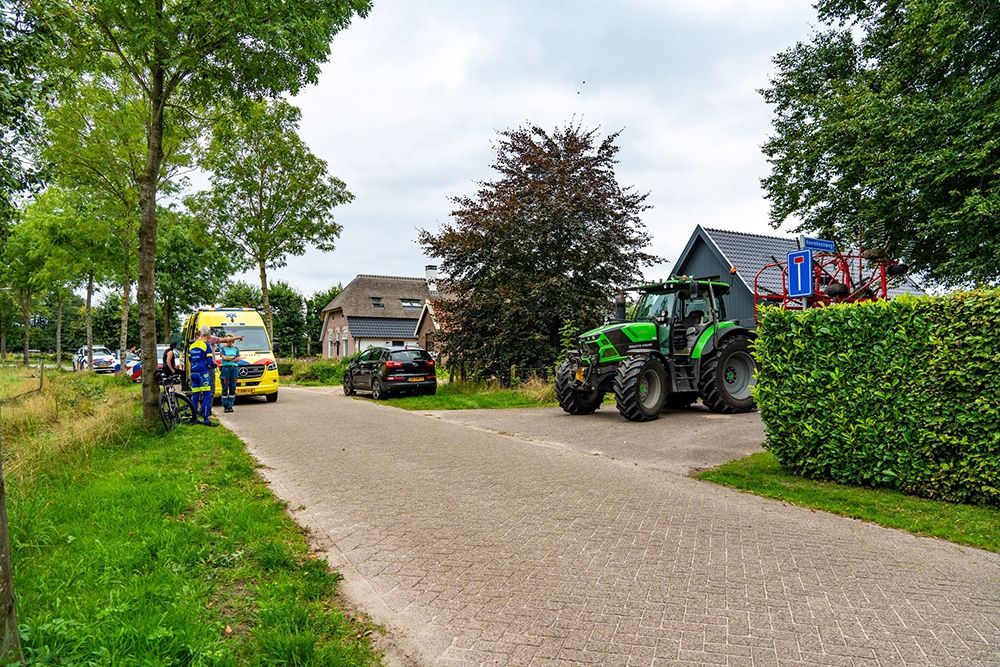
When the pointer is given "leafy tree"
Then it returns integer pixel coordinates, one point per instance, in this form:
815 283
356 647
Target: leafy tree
186 56
26 38
192 268
548 240
886 133
270 197
239 294
107 315
288 306
23 265
314 313
73 241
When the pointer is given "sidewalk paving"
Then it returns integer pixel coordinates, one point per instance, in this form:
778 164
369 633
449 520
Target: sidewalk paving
474 548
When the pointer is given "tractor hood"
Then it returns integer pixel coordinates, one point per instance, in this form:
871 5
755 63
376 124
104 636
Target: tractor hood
618 340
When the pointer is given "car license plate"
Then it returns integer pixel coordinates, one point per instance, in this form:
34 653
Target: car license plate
419 379
243 392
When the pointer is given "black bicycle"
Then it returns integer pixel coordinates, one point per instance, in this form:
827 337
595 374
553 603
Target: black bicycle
175 408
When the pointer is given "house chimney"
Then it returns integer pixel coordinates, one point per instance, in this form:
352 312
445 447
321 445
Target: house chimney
431 273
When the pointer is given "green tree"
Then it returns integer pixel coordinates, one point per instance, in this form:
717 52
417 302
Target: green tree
550 239
26 39
314 313
238 294
73 239
24 263
288 307
270 197
192 267
187 56
886 133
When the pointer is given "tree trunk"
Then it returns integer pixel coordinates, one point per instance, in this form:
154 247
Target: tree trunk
267 303
10 640
126 301
166 320
145 292
59 312
90 320
26 312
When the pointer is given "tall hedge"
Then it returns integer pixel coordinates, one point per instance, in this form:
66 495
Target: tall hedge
902 393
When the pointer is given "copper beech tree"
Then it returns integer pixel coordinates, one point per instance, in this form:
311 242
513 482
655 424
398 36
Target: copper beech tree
550 239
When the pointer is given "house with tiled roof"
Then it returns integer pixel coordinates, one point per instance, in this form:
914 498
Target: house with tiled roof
711 253
374 310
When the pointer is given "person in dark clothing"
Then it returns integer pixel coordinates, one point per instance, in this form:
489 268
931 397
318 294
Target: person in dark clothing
170 366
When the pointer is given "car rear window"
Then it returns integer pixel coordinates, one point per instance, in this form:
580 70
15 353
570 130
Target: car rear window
409 355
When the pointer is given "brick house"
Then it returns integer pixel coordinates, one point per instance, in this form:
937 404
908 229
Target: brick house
376 310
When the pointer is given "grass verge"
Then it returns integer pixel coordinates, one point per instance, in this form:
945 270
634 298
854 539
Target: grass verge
476 395
762 475
151 548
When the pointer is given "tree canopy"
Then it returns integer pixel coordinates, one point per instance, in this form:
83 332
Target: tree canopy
271 197
187 56
886 133
550 239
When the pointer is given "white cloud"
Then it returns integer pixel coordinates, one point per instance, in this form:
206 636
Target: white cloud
407 109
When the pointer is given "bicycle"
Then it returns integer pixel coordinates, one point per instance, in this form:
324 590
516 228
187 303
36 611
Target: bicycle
175 408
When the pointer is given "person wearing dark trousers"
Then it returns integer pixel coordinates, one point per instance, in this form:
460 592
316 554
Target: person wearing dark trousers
200 358
230 356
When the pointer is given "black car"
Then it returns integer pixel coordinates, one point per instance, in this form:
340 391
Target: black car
387 370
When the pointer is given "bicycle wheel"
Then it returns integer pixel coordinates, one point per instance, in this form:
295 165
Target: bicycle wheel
184 409
170 417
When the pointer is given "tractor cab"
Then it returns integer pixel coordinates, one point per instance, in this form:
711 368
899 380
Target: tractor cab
682 310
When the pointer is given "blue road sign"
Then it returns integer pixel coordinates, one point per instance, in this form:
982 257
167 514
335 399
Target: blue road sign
800 273
819 244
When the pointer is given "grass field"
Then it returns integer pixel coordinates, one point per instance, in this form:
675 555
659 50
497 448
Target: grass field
761 474
136 547
473 395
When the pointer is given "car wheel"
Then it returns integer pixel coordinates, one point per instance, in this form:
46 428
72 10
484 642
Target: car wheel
378 391
348 386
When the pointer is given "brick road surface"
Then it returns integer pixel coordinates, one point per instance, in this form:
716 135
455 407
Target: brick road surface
478 548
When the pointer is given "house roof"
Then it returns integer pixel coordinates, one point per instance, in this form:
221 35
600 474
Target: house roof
356 298
749 253
382 327
428 312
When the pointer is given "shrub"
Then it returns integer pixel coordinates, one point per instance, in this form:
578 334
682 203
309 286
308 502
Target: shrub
285 368
902 394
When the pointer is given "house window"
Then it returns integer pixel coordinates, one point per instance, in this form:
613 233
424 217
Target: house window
397 343
411 304
377 303
329 347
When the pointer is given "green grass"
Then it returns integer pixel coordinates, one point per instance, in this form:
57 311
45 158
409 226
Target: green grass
148 548
474 395
762 475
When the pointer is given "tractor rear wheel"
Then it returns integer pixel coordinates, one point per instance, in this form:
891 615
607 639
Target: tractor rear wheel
640 388
728 377
570 398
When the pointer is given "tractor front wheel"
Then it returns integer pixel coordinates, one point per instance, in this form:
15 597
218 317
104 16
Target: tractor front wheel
728 377
571 399
640 388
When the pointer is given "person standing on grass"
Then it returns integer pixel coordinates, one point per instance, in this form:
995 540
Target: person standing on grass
230 355
200 359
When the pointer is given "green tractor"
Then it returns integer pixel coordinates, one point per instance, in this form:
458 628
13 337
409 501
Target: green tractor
678 348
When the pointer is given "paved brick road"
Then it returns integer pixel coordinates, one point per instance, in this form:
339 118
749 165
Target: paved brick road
474 547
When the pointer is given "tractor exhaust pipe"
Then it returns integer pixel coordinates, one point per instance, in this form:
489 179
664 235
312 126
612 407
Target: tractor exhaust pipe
620 307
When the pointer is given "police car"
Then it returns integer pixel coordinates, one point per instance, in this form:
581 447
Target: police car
104 361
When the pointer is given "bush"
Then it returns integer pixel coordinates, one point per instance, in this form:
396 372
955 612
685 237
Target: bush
322 371
285 368
902 394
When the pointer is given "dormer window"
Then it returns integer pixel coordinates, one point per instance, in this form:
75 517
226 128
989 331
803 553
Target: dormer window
377 303
411 304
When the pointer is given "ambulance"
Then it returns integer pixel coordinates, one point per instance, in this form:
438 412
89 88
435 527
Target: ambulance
258 368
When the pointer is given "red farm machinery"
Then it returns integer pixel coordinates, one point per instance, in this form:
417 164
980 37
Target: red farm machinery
819 277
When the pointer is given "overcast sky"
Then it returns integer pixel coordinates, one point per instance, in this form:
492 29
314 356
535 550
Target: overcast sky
407 109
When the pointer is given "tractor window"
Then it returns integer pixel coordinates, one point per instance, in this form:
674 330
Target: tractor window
651 305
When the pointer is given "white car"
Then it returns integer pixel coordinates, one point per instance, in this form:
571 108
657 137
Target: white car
104 361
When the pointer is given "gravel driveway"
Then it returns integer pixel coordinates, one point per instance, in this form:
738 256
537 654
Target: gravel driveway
528 537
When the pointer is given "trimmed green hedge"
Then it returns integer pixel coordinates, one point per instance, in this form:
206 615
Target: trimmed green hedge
902 394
